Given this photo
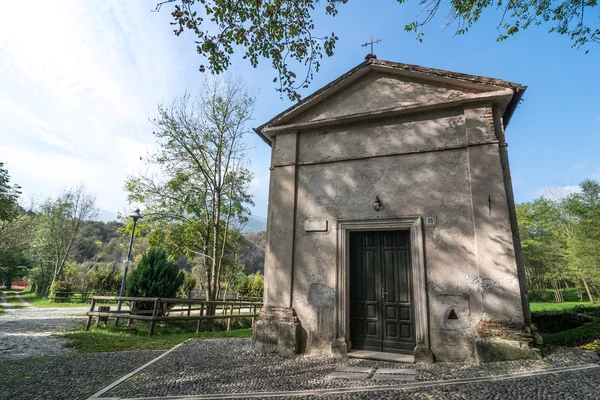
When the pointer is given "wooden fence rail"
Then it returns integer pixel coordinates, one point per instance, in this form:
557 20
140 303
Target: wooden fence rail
164 310
66 297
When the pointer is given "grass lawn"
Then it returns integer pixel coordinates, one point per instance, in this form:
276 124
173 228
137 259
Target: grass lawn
584 337
43 302
107 338
565 306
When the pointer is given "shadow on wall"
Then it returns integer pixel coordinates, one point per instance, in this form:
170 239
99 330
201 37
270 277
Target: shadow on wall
469 252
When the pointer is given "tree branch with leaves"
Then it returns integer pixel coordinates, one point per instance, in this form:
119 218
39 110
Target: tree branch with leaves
284 32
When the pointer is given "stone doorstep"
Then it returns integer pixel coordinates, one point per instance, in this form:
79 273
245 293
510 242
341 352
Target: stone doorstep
381 356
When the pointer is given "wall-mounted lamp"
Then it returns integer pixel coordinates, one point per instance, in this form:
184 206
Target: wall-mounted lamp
377 205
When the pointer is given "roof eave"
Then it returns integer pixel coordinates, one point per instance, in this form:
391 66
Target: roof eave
513 104
368 64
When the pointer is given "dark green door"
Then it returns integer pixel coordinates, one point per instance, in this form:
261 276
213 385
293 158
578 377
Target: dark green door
381 309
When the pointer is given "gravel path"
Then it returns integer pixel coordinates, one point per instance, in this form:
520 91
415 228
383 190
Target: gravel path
228 366
25 331
36 365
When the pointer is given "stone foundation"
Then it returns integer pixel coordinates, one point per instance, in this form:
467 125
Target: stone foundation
497 341
277 329
339 348
423 355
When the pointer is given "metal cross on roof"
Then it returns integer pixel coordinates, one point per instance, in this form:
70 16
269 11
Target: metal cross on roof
372 42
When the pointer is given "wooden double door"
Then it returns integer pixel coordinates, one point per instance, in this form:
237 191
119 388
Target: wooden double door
381 300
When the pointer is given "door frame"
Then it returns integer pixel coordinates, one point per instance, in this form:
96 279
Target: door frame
342 344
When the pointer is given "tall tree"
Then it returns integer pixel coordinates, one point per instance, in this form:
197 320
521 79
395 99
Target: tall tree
544 246
60 226
15 240
284 31
561 241
200 184
585 243
14 229
9 195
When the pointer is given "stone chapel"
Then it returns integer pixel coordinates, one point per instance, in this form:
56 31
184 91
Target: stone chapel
392 231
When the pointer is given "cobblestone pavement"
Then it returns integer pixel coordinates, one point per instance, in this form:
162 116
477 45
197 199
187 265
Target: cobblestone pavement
68 377
26 331
231 366
579 385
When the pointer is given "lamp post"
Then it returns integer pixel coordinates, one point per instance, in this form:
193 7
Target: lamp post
127 262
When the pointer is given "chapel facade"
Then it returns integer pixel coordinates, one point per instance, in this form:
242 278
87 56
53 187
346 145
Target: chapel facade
392 231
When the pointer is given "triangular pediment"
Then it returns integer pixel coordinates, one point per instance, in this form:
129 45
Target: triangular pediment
375 87
377 91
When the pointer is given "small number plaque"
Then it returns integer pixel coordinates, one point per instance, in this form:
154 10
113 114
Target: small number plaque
430 221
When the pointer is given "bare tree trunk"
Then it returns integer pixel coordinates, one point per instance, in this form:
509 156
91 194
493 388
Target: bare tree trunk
588 290
565 289
557 294
578 289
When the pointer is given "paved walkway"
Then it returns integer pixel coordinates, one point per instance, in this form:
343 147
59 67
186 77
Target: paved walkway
230 368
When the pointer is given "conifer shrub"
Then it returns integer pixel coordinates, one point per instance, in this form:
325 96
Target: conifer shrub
154 276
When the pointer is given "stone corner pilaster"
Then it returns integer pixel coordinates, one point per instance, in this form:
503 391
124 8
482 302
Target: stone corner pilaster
339 347
277 330
504 341
423 355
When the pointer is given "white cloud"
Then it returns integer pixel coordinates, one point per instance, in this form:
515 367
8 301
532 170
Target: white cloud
78 86
79 83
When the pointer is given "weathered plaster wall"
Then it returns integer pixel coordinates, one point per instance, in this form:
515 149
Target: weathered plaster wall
408 185
378 91
469 263
403 135
280 229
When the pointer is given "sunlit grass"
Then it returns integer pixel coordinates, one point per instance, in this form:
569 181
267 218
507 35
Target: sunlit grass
44 302
565 306
108 338
585 337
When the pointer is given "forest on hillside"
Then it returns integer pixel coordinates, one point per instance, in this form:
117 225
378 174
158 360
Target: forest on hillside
96 260
57 246
560 239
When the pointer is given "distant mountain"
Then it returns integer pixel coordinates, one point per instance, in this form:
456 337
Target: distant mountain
255 224
106 215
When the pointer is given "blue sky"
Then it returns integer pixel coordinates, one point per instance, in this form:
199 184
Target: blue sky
81 79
